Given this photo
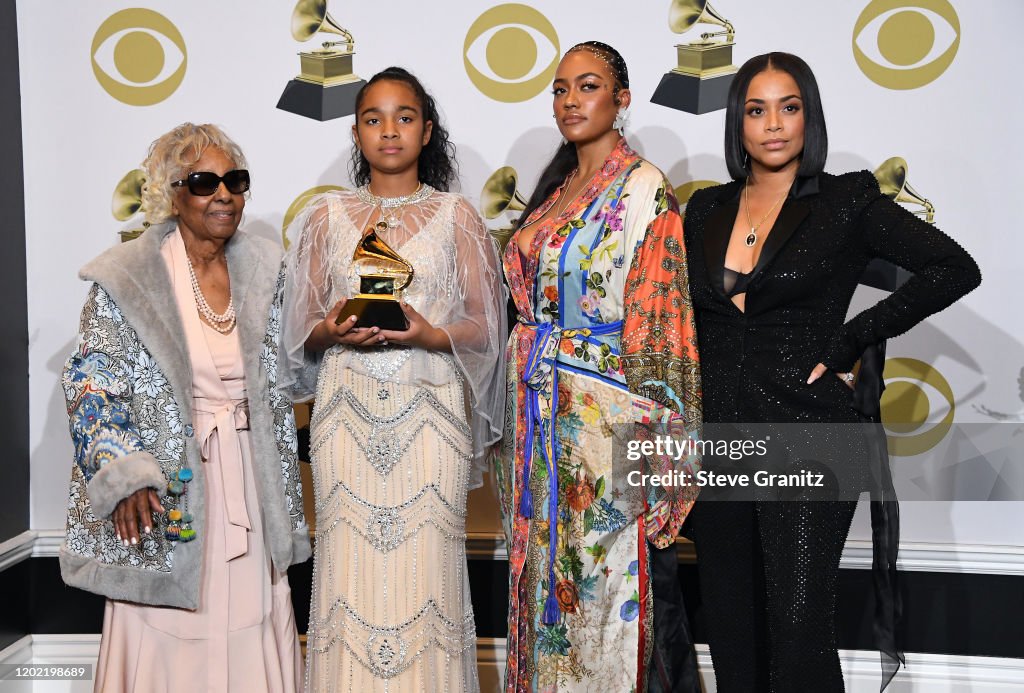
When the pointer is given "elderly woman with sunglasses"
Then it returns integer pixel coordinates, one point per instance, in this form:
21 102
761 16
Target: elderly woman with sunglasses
185 508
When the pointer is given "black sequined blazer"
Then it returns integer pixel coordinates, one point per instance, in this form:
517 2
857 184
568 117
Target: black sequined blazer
755 364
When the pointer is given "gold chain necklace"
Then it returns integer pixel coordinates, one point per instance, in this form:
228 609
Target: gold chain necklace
568 198
565 198
751 239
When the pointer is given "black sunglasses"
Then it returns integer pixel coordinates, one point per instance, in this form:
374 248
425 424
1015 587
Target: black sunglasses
205 183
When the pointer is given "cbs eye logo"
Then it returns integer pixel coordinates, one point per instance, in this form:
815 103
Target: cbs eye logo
511 52
917 406
906 44
138 57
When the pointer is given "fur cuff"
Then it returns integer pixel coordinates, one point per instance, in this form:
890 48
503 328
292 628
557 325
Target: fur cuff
118 480
301 550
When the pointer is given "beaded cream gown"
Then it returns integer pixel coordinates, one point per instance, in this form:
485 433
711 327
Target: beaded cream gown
392 450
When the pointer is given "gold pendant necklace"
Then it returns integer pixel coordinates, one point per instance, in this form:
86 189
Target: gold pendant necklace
751 239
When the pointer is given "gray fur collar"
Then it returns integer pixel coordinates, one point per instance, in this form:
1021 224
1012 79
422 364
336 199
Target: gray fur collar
135 276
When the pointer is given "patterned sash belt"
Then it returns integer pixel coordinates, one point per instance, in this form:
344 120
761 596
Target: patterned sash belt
540 376
226 418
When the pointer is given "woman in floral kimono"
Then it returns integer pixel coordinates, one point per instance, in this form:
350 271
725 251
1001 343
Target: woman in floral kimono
605 338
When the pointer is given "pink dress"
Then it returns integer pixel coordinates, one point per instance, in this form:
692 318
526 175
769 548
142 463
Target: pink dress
242 637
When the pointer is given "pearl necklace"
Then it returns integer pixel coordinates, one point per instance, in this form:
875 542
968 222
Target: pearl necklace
222 322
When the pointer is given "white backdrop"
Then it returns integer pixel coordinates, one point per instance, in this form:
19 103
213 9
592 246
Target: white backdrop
959 133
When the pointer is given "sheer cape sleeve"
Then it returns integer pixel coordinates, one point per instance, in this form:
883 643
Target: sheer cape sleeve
457 288
476 328
308 296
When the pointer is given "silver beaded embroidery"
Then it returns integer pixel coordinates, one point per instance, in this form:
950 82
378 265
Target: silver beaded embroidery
384 450
391 465
386 653
384 365
385 529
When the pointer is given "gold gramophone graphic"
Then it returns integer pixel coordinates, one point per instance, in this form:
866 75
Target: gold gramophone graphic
500 195
892 179
326 87
127 202
387 275
700 81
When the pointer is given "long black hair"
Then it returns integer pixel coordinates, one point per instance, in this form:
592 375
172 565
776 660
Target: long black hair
437 166
566 159
812 161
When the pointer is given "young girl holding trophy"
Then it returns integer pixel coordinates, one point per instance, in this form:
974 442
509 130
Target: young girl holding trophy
394 320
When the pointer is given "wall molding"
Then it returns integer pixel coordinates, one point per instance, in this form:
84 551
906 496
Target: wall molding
925 673
17 548
942 558
18 652
914 556
48 543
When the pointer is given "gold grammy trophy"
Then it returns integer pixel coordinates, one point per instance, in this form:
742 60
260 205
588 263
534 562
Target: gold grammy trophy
700 81
380 288
499 196
127 202
326 87
892 179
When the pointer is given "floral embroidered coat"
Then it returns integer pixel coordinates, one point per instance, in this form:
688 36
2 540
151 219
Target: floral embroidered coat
605 340
128 390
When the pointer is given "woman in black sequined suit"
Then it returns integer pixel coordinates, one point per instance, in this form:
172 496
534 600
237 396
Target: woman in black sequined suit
775 257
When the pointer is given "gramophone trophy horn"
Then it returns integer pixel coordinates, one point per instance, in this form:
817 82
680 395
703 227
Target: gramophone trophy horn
310 17
387 275
500 194
127 202
700 81
390 263
684 14
892 180
326 86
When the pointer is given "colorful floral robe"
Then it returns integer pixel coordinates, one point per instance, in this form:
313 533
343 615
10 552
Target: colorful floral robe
605 338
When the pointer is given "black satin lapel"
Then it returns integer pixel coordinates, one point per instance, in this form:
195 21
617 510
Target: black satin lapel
717 230
790 217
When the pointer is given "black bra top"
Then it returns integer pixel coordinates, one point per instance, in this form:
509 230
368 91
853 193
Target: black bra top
734 282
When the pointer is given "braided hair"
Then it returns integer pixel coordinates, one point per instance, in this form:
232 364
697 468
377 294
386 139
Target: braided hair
610 56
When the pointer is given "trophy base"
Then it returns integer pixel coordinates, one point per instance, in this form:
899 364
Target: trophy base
704 59
326 67
320 102
693 94
374 311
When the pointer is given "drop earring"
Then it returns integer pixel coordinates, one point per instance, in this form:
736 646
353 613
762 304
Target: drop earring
621 118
